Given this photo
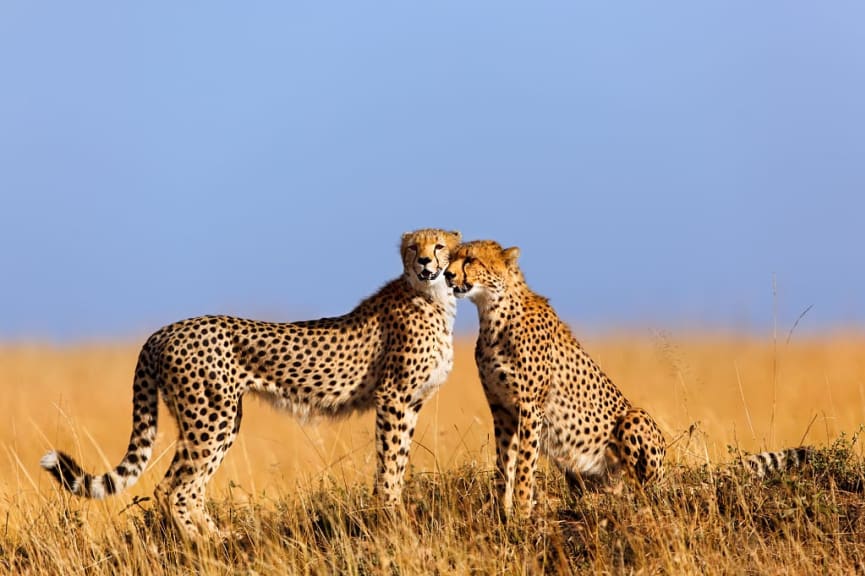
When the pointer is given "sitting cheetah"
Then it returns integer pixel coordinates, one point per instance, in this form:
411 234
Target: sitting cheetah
544 391
391 352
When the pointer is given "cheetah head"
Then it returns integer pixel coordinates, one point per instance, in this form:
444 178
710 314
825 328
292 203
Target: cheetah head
426 253
481 269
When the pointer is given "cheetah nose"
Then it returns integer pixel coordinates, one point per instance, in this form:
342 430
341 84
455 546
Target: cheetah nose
423 261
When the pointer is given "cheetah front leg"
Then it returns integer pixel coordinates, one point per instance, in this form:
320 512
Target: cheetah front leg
529 434
394 428
505 430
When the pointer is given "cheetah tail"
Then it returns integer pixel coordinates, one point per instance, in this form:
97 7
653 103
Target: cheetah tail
75 479
766 463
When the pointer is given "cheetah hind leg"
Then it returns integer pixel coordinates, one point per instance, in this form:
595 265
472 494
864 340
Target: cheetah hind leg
180 499
181 493
181 496
638 446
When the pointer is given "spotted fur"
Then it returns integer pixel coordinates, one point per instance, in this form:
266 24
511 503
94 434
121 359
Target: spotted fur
389 354
544 391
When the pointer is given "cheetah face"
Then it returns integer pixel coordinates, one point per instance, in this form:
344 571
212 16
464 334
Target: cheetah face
481 269
426 253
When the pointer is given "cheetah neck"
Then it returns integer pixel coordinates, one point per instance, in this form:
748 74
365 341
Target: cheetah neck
495 314
497 309
439 293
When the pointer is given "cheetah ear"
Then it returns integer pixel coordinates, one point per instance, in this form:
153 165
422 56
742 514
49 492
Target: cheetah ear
403 243
457 237
511 255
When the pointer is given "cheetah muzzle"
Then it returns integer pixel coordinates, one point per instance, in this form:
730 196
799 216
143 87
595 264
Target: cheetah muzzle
460 290
428 275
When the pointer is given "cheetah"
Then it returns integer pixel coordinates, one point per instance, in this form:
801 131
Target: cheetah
390 353
544 391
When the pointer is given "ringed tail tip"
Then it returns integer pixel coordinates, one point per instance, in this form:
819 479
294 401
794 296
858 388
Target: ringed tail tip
64 469
50 461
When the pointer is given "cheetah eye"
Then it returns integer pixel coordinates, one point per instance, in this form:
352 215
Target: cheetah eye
439 247
413 248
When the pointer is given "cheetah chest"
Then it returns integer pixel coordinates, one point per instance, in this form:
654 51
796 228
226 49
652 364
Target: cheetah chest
440 358
442 361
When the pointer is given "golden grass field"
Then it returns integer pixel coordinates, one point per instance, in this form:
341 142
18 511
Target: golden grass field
706 392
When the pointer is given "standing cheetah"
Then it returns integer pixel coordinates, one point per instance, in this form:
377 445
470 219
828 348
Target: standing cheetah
544 391
390 353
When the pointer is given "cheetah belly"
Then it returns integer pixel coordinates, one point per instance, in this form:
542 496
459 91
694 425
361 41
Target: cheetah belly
573 448
585 462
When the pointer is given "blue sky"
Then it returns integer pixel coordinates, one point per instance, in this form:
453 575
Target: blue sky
657 163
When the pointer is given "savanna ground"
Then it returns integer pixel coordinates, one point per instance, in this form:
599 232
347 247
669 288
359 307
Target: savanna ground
299 499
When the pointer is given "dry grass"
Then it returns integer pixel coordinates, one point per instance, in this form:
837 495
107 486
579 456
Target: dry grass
298 496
